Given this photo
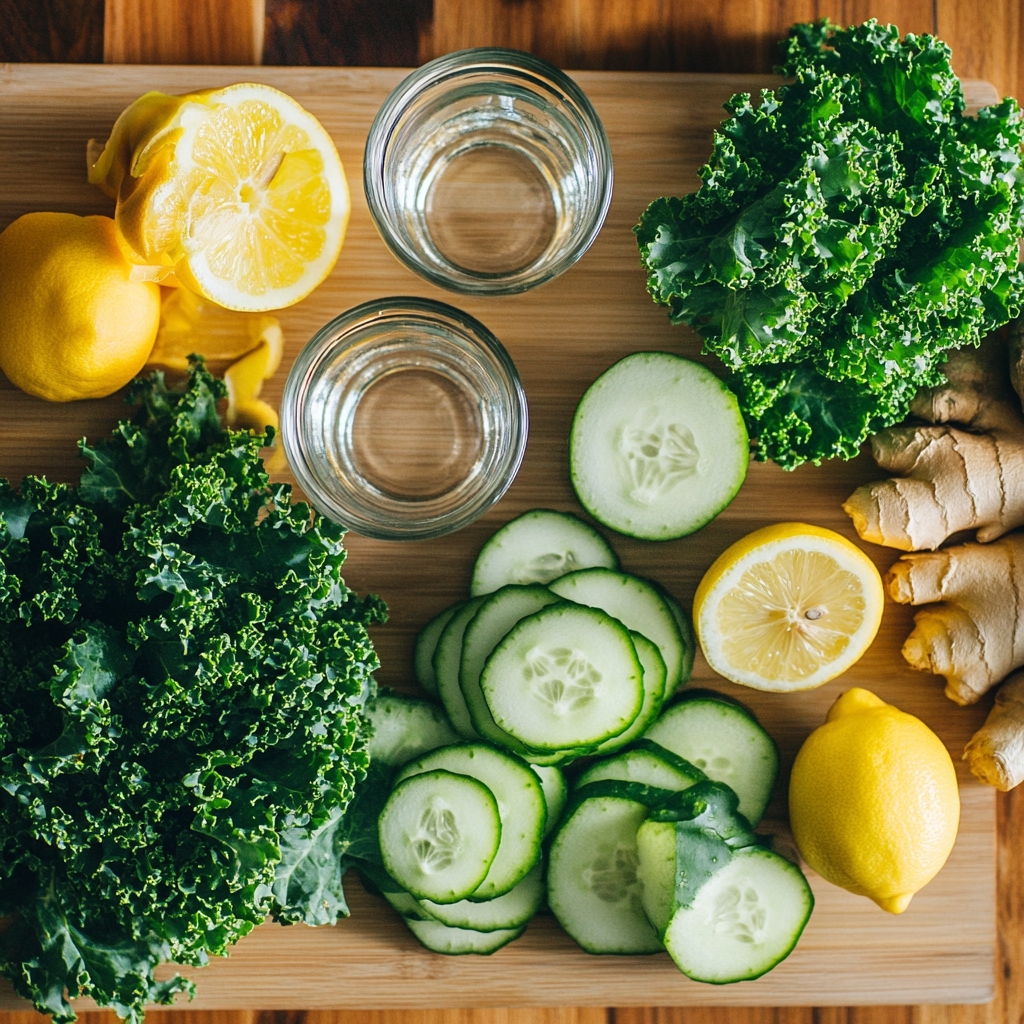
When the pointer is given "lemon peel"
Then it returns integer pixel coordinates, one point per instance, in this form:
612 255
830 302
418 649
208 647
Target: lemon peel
75 325
873 800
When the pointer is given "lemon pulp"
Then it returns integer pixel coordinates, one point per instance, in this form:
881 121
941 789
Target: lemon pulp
788 607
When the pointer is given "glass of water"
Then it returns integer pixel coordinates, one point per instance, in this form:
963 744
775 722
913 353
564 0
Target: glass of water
403 419
488 171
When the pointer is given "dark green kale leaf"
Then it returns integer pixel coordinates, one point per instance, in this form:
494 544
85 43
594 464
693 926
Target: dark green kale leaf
849 230
182 675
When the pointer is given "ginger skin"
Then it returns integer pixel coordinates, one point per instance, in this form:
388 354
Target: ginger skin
952 478
970 632
995 753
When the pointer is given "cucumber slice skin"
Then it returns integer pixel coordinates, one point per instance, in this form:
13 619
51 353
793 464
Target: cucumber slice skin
718 939
685 624
727 744
647 763
592 885
537 547
440 802
439 938
513 910
405 727
426 644
447 660
656 870
654 692
636 603
556 792
521 808
499 612
407 905
634 398
573 636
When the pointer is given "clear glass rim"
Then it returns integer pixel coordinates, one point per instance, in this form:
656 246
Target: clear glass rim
450 66
345 331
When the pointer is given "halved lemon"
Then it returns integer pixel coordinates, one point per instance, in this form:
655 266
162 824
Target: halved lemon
788 607
238 192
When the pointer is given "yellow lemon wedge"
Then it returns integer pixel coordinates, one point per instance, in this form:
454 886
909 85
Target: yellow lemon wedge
873 800
788 607
238 192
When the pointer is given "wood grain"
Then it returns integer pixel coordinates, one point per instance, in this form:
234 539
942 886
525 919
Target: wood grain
51 30
183 31
561 337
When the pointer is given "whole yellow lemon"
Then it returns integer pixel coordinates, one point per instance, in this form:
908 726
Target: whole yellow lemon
873 800
72 322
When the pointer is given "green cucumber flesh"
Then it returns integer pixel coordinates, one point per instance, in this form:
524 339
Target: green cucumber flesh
743 921
439 833
636 603
521 809
426 644
440 938
727 744
497 615
512 910
447 661
658 446
592 883
405 727
654 691
685 625
646 763
566 676
552 782
537 547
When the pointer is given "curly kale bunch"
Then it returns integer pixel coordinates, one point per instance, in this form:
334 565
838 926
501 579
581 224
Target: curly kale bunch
182 672
848 231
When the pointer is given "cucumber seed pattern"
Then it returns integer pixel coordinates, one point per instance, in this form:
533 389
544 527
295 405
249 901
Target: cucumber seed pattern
612 874
738 913
561 678
436 842
657 456
546 567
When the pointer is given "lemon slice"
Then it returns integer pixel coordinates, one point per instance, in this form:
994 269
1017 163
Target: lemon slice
788 607
239 192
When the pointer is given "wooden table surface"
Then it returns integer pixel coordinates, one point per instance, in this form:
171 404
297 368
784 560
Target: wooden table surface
987 38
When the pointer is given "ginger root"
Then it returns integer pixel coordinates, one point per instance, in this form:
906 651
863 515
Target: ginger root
964 471
995 753
970 632
952 478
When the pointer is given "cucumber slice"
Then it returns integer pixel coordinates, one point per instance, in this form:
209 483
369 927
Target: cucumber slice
658 446
405 727
407 905
648 763
567 676
593 888
743 921
426 644
521 808
447 659
535 548
494 618
685 626
636 603
439 938
552 782
654 692
513 910
439 833
725 741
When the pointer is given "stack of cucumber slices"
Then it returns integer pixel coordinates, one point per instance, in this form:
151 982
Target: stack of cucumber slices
561 767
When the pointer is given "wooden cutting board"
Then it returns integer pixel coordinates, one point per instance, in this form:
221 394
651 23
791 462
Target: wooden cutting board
561 336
